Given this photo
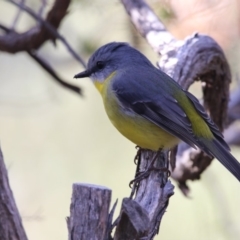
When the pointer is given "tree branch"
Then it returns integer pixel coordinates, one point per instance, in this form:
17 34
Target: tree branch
148 24
36 36
140 218
196 58
46 66
55 76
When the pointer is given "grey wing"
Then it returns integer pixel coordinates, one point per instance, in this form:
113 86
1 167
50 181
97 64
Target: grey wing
164 112
160 107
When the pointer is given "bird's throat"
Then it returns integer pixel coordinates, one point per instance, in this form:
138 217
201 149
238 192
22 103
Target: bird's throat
101 84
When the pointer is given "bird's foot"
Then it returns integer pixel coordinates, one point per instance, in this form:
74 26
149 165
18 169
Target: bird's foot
139 176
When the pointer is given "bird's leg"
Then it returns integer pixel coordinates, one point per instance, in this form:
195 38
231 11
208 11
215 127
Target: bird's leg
162 169
139 176
137 161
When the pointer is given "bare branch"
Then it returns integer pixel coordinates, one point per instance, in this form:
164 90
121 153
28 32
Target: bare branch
17 17
197 58
55 76
46 66
200 58
148 24
43 6
36 36
140 218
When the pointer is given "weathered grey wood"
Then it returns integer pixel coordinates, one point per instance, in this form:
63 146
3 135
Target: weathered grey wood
89 212
148 24
199 57
11 227
150 201
154 191
133 221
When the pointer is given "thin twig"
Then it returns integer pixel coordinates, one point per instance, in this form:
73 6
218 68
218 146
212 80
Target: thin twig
19 13
51 30
36 36
51 71
6 29
47 67
41 9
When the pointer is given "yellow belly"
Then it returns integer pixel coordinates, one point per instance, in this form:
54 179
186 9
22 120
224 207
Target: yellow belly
140 130
136 128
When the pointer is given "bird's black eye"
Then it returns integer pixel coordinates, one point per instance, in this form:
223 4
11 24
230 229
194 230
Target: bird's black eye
100 65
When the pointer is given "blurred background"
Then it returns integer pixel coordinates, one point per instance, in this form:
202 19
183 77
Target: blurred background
51 137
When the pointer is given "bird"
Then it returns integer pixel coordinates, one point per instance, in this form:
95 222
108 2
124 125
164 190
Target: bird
149 107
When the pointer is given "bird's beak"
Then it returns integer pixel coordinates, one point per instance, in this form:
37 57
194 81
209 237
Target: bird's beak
83 74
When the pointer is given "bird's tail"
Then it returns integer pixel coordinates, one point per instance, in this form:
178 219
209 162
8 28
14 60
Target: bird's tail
221 152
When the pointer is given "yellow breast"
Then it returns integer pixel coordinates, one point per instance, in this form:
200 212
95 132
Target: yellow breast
137 129
134 127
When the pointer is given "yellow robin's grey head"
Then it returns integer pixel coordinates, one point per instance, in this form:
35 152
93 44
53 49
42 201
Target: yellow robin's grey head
112 57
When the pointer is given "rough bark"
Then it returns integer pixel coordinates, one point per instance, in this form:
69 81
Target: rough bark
133 222
89 212
151 198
